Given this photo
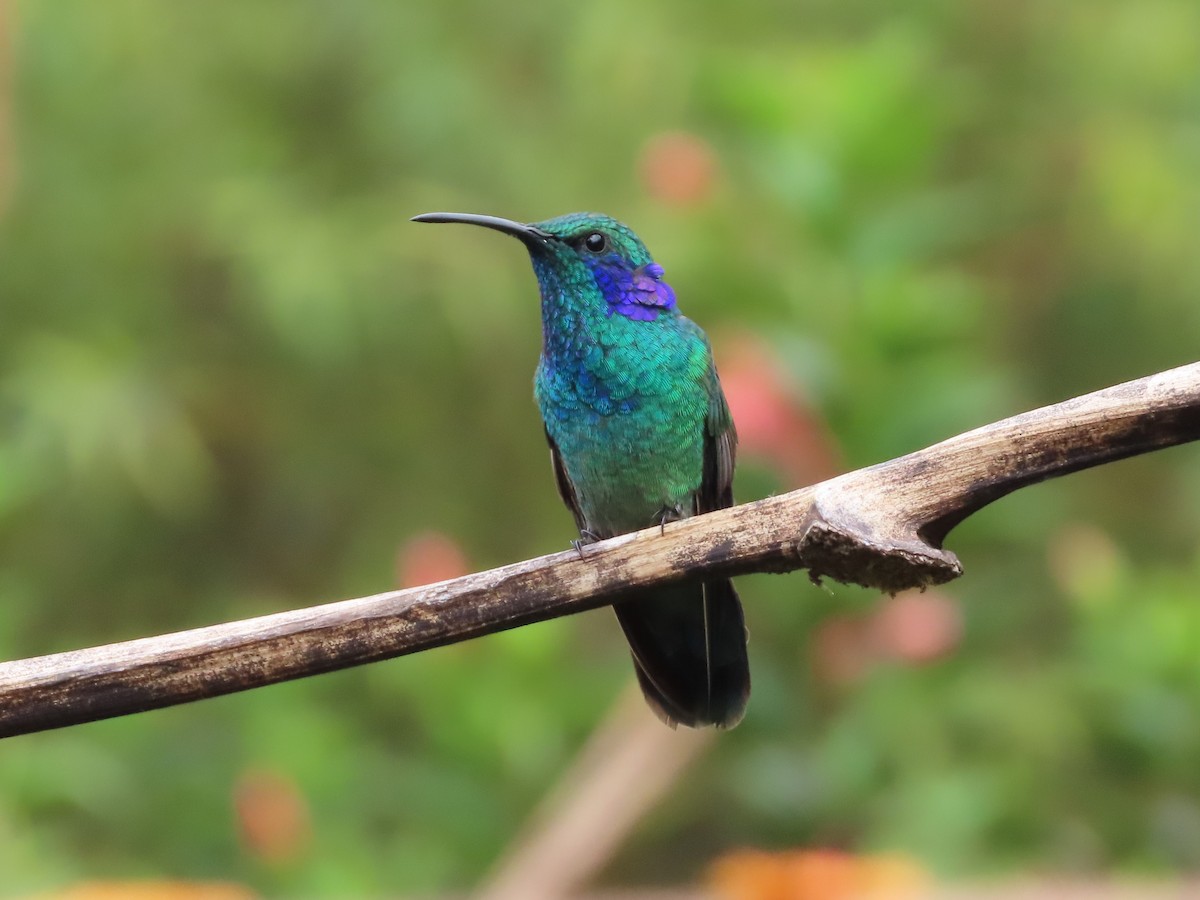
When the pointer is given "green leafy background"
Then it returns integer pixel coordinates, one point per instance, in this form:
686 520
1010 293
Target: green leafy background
234 379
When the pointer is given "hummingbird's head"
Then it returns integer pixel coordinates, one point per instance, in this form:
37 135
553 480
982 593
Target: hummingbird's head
586 255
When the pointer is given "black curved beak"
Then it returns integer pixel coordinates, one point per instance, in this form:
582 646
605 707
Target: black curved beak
529 235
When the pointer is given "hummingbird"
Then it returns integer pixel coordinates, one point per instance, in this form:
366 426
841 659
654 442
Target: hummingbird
640 434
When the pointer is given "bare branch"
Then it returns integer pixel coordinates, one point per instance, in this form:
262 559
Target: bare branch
882 526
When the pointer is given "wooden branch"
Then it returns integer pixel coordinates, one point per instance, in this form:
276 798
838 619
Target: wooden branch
882 527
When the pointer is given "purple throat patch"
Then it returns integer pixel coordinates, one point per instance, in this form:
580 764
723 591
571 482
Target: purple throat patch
640 294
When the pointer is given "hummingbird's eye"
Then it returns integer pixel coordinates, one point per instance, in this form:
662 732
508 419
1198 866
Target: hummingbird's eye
595 242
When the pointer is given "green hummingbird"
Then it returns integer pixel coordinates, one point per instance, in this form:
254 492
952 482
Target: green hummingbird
640 434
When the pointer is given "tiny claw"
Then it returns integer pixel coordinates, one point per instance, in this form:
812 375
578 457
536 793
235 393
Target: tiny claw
585 537
668 514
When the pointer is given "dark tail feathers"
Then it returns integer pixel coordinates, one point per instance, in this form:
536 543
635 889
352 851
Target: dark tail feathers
689 650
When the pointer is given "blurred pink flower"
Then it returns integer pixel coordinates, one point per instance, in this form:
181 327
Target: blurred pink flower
912 628
916 627
773 421
429 557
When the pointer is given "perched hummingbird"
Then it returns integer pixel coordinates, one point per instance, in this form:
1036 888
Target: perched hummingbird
640 434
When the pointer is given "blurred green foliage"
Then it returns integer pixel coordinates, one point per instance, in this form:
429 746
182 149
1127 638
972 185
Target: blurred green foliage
234 379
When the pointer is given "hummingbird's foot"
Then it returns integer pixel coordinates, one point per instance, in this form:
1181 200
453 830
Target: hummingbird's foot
585 537
668 514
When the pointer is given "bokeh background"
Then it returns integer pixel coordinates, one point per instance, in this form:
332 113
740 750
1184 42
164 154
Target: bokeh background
235 379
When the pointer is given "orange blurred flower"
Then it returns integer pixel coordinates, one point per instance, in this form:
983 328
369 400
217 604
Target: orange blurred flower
816 875
152 890
678 167
272 816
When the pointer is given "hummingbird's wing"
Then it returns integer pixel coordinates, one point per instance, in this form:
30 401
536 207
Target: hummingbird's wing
720 437
566 490
720 450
